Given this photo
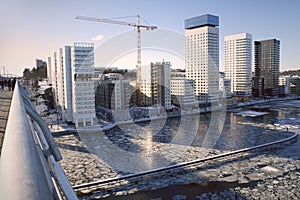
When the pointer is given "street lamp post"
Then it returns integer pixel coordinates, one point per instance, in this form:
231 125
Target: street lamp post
3 70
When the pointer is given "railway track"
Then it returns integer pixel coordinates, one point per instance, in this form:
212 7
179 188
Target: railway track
97 188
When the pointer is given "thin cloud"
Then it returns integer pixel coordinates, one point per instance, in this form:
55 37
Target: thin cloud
97 38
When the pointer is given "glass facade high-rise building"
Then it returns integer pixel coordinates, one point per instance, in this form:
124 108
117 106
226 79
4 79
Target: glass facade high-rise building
160 84
202 56
238 63
267 66
83 91
73 70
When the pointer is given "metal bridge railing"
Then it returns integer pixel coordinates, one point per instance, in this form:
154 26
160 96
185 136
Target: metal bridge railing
29 167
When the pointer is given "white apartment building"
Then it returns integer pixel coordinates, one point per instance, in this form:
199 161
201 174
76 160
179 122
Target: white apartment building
238 63
146 88
72 72
202 56
182 92
83 93
225 87
68 105
282 79
61 82
49 71
55 81
160 80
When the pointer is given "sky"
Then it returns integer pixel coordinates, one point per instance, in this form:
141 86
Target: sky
32 29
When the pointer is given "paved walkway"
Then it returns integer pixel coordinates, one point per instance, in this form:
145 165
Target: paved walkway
5 100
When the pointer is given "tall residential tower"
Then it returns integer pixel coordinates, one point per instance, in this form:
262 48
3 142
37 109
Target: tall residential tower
267 66
83 91
73 70
160 82
202 56
238 65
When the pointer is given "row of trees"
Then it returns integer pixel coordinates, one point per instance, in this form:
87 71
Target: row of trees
291 73
119 71
36 73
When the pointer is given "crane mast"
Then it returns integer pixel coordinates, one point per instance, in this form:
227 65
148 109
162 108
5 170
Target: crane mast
138 65
138 27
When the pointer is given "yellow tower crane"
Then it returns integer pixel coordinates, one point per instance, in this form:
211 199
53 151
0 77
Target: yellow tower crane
138 27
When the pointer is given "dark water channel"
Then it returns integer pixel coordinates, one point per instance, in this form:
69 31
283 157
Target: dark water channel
230 132
223 130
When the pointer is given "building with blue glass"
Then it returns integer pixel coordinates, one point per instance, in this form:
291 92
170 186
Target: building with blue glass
202 56
201 21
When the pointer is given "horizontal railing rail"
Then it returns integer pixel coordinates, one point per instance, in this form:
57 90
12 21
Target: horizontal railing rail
29 167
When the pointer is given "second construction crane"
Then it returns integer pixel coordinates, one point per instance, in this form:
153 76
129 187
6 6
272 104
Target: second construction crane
138 27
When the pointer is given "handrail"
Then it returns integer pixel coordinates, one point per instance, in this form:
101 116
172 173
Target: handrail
183 164
29 107
21 172
28 165
38 119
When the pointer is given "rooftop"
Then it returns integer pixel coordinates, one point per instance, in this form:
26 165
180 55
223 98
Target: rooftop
201 21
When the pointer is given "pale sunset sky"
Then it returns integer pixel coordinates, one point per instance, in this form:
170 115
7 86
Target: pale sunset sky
33 29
